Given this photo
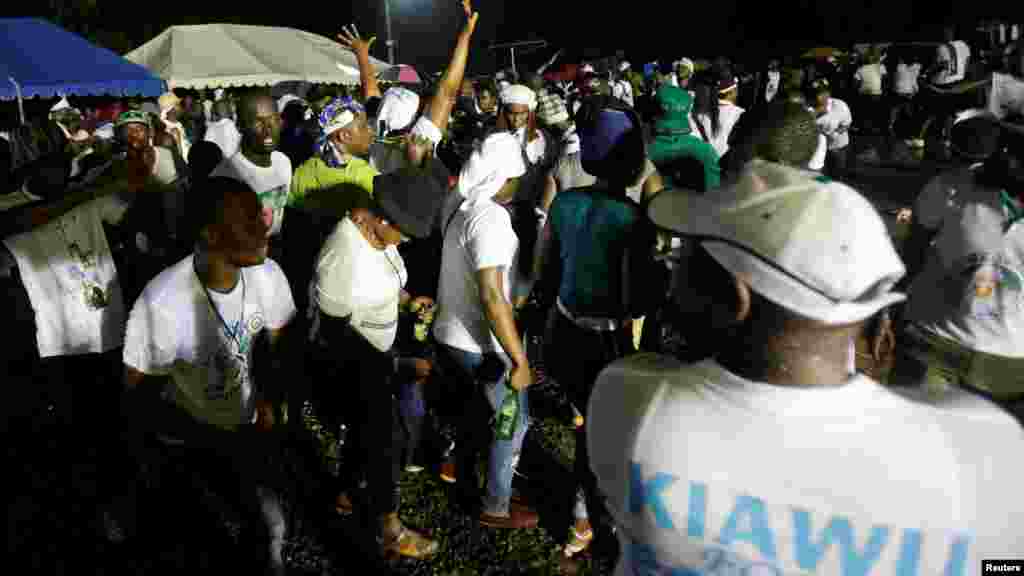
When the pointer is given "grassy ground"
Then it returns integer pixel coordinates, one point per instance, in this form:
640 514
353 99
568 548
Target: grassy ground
428 504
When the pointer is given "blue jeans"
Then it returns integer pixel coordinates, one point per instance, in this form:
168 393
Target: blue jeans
480 395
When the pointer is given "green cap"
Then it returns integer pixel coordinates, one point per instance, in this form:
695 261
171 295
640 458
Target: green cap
132 117
674 106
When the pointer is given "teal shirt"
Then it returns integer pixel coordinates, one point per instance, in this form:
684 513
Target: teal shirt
593 231
666 149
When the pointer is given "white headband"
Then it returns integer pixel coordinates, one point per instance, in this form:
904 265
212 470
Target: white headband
338 122
521 95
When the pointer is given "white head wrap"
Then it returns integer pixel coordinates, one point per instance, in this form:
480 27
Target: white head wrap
398 109
519 94
62 105
218 94
498 159
686 63
338 122
624 66
285 100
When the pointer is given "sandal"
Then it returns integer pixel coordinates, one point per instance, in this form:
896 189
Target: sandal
409 544
578 542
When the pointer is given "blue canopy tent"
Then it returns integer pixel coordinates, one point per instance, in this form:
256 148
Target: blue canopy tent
38 58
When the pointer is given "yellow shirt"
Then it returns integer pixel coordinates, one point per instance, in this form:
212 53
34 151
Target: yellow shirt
318 187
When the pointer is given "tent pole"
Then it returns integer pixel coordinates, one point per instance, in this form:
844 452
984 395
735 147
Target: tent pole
513 49
391 41
21 105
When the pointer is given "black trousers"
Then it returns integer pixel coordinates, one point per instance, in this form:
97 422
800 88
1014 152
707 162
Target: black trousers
577 373
358 385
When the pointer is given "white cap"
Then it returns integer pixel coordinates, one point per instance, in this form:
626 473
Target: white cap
519 94
62 105
818 249
624 66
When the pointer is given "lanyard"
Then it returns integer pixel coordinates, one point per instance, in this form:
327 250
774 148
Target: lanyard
1010 207
236 334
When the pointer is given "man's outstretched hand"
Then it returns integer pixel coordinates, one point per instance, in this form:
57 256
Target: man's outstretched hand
471 16
349 36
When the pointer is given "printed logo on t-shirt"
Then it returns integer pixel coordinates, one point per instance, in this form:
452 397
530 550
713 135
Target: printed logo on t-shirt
229 375
228 367
992 288
755 536
256 323
273 201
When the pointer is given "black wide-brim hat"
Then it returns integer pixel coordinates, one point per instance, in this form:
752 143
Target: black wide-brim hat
410 199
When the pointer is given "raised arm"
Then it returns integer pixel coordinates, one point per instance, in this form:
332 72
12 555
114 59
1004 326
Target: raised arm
548 64
367 75
451 83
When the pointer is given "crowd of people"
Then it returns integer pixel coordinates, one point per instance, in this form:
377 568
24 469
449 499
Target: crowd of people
187 272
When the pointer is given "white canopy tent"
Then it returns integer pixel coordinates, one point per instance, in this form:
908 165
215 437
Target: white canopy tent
226 55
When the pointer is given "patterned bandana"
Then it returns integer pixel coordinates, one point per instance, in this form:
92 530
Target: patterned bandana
132 117
337 114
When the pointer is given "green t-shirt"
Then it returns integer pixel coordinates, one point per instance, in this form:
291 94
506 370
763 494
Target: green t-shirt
666 149
318 187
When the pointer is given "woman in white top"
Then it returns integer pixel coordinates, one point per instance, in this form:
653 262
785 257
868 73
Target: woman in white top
716 122
358 290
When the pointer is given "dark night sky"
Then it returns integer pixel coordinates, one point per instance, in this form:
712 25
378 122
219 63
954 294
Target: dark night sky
645 29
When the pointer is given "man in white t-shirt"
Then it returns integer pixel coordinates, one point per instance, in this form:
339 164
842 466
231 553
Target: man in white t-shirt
834 121
621 87
221 129
481 348
965 308
65 262
191 338
773 81
258 163
773 457
951 60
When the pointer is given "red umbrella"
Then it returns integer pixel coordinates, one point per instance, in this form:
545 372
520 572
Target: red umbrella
402 74
567 73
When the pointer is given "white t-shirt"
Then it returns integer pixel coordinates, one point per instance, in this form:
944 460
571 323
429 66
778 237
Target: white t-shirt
354 278
728 115
771 88
835 124
623 90
817 162
706 473
955 68
1006 96
69 275
271 184
869 76
225 135
534 149
477 238
175 331
971 288
906 79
